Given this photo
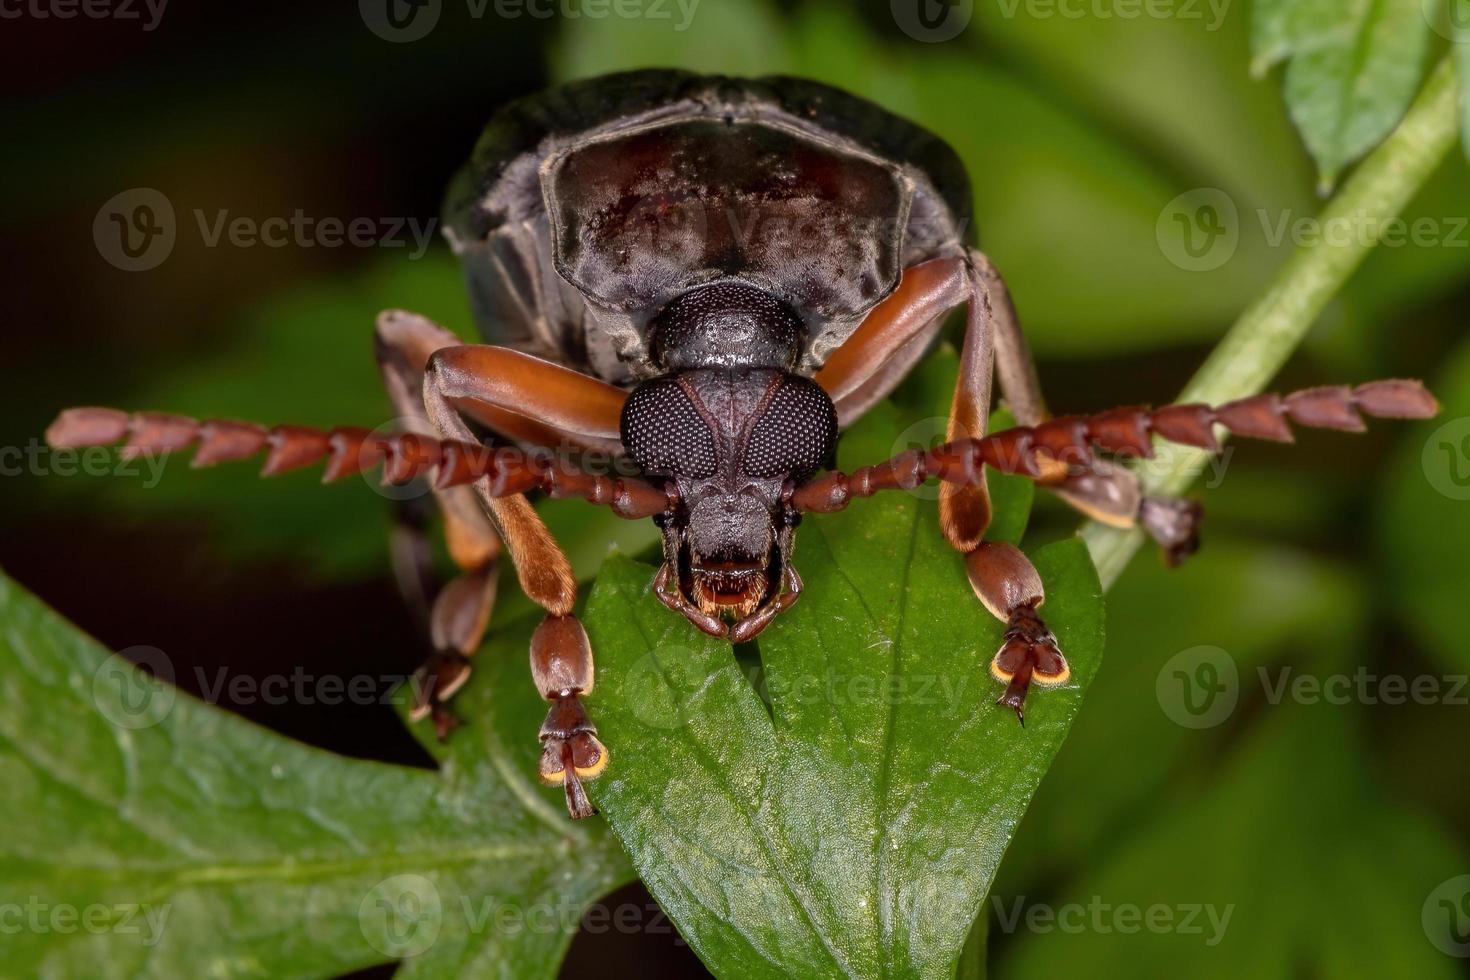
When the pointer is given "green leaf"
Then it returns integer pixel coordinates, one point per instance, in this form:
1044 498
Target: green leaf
197 844
1355 66
1283 28
859 831
854 826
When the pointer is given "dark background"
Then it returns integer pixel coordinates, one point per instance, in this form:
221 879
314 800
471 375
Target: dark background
1325 556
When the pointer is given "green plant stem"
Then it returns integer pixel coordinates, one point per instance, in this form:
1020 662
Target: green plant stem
1260 342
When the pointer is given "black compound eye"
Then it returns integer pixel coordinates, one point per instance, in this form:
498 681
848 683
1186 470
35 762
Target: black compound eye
796 433
664 433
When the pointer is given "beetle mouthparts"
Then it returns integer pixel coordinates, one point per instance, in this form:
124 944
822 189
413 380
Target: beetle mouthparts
735 590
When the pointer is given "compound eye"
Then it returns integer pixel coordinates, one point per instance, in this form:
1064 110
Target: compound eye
795 435
664 433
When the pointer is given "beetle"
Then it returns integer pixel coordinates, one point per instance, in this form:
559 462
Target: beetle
708 279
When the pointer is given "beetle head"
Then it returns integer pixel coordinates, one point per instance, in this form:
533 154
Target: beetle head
730 426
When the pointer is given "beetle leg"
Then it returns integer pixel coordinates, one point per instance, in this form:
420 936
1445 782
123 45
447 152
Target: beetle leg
1014 366
891 338
561 657
964 508
454 617
529 399
1008 584
1099 489
561 665
870 363
1002 576
459 613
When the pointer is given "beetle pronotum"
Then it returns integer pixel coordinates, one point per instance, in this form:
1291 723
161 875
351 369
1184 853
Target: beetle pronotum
710 278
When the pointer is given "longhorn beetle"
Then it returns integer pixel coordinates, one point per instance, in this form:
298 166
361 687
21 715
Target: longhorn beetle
710 278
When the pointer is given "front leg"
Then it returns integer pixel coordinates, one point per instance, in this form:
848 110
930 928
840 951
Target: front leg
561 666
1008 584
860 372
1002 576
561 656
